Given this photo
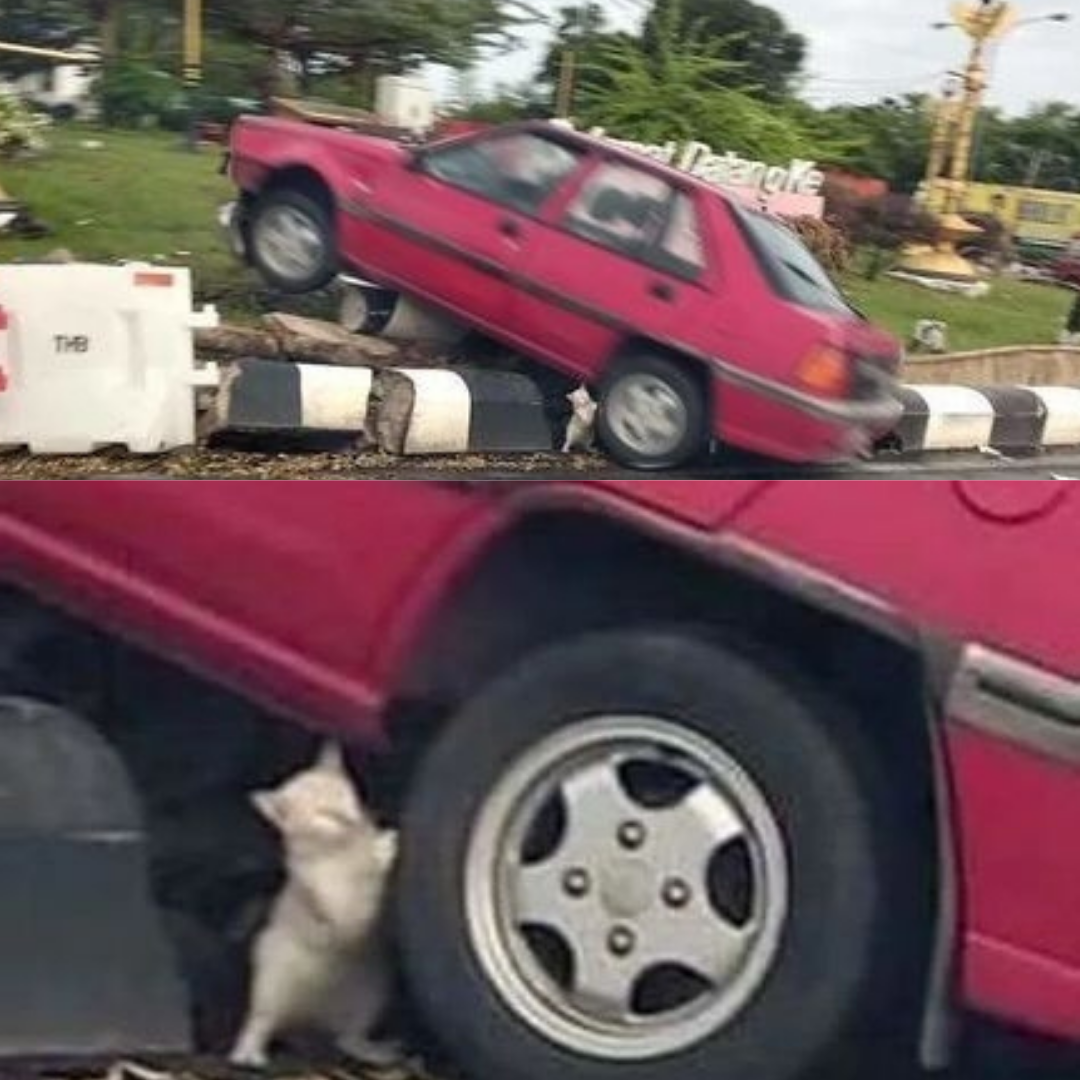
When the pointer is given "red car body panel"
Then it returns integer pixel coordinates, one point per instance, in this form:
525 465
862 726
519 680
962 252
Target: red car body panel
574 303
311 598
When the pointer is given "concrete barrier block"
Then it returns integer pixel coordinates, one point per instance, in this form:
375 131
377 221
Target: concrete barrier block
1009 419
461 411
1061 420
265 396
945 418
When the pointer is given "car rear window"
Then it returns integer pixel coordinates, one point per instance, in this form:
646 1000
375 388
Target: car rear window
790 265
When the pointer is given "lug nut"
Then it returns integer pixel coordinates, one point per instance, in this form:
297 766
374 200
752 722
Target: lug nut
632 835
621 941
676 893
576 883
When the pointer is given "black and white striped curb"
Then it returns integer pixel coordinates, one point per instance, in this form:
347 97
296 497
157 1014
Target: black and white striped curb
420 411
425 411
1002 418
262 396
406 411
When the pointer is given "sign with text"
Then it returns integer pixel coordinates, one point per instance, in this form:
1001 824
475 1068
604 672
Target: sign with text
792 190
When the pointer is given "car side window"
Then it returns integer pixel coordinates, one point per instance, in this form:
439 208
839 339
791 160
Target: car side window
640 215
621 208
521 170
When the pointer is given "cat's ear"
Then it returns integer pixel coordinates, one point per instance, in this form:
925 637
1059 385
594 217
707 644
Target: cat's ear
330 758
268 806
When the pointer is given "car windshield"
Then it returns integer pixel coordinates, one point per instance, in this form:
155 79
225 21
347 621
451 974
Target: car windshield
790 265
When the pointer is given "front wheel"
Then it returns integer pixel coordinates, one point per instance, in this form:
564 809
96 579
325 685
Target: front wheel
291 241
641 857
653 413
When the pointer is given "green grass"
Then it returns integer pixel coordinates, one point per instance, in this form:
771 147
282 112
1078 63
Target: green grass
140 196
1015 312
143 196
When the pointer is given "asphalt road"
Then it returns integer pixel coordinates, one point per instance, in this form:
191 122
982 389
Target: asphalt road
294 464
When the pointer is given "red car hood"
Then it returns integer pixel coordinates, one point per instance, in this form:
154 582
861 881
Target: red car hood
271 129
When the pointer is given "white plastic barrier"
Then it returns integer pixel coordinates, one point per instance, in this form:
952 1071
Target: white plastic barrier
100 355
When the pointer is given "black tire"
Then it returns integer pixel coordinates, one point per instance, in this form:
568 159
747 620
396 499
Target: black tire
680 381
324 261
800 756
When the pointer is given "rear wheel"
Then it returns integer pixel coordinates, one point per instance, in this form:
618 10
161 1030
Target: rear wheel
641 857
291 241
653 413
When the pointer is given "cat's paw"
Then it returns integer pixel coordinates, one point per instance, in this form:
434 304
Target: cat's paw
249 1055
381 1055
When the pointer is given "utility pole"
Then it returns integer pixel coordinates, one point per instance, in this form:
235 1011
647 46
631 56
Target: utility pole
193 58
1039 160
193 42
579 20
564 97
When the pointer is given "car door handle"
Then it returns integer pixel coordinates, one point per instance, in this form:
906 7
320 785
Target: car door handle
663 291
511 228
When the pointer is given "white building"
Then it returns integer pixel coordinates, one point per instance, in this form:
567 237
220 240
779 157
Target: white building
65 90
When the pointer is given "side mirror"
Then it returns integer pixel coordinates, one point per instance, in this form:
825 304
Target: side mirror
417 157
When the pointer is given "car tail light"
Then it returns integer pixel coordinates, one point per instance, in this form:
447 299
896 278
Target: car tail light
827 371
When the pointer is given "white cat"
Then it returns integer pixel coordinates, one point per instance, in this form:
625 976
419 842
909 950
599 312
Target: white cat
581 430
322 957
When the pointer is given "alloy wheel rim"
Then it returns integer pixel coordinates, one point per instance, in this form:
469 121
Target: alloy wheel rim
651 927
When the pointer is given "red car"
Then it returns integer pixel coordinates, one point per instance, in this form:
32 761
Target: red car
694 779
693 317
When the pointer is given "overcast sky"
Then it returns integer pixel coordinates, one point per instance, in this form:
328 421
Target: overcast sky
862 50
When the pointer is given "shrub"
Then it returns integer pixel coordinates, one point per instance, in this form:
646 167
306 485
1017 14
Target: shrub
826 240
137 95
888 222
879 226
22 129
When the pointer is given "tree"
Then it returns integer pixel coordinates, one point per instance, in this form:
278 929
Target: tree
52 24
369 35
682 86
771 54
585 32
404 33
1039 149
890 139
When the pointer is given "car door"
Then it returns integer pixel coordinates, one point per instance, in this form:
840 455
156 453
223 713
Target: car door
628 253
451 227
284 590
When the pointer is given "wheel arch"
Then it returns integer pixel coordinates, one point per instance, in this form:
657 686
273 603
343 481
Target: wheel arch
636 344
304 178
557 572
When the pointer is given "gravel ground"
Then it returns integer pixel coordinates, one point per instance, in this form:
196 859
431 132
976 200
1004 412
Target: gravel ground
225 465
994 1054
220 464
210 1070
